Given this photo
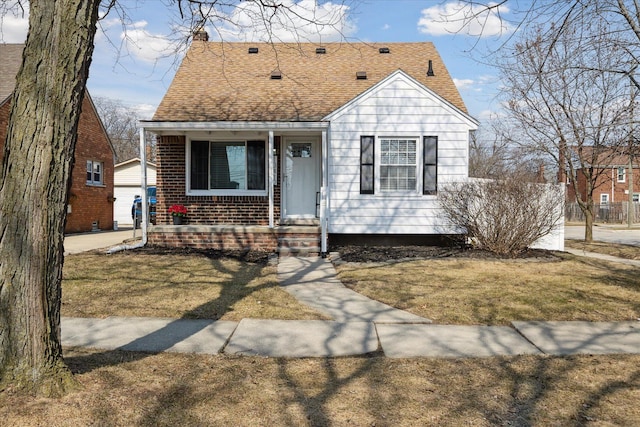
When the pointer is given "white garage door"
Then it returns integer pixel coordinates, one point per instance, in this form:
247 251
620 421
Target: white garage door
124 201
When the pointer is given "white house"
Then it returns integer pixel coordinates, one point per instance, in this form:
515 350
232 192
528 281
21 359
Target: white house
268 145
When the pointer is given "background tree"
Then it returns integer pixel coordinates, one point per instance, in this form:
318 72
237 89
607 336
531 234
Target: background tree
38 157
610 28
558 107
121 124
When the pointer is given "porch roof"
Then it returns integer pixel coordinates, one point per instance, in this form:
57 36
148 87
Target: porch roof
173 127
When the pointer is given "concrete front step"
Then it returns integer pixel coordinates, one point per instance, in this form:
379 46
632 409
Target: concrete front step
299 251
299 242
309 245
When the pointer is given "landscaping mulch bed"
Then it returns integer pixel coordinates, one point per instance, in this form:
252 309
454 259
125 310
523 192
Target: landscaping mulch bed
377 254
252 256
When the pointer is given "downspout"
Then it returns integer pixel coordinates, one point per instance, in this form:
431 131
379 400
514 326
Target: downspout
145 207
323 196
272 175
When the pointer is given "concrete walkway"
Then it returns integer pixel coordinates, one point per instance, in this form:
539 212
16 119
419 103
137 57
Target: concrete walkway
359 326
83 242
604 257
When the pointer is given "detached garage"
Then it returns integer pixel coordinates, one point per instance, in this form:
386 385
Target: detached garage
127 186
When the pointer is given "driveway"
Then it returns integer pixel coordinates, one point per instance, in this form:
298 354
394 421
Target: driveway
76 243
606 233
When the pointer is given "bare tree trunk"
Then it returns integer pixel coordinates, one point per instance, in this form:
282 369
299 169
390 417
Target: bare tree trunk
588 224
36 170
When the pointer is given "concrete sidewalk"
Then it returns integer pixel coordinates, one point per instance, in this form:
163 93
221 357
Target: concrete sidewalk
315 338
360 326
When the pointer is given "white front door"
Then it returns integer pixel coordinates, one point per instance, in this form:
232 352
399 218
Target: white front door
301 177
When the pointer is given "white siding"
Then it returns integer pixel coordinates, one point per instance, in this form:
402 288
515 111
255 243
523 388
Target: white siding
128 174
398 107
126 186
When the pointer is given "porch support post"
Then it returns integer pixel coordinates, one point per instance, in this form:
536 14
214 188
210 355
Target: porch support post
323 195
143 179
272 177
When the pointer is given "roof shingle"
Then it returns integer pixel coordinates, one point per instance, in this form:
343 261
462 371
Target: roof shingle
220 81
10 61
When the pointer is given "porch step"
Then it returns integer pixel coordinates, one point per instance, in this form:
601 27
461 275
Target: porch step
299 252
299 246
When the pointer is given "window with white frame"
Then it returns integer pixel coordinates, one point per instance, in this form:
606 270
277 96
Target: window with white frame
604 199
621 174
398 165
94 172
635 198
227 167
395 165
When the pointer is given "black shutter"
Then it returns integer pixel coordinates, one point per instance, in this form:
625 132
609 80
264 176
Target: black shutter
199 173
430 167
367 177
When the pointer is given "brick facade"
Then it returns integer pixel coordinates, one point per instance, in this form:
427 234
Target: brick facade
205 210
607 183
88 204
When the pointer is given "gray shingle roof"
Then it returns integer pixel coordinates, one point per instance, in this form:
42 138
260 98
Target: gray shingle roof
224 82
10 61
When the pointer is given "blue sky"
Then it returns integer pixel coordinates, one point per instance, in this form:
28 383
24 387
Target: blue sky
138 68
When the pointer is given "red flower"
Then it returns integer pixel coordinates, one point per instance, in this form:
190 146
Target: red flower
178 210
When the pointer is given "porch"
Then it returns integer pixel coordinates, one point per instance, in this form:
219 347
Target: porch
298 240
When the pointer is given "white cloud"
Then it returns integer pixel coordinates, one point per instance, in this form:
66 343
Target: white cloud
456 17
295 20
144 111
386 27
14 26
463 84
146 46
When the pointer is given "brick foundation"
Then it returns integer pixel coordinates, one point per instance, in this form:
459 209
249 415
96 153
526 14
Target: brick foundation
229 237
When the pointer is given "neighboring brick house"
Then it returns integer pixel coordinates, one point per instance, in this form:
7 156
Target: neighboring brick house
91 194
268 143
612 183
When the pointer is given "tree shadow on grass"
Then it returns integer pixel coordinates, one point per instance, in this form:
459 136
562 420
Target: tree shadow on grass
178 330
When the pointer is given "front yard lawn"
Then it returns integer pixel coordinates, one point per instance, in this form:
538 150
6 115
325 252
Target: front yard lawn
126 388
176 285
487 291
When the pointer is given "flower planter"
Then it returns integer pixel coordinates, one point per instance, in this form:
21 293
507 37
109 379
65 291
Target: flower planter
177 220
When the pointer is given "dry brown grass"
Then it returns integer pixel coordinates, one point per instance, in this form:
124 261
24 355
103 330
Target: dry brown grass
494 292
125 389
178 286
613 249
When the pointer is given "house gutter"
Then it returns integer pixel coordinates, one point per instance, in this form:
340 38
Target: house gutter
145 207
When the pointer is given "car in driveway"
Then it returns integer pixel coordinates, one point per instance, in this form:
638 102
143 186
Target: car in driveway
136 209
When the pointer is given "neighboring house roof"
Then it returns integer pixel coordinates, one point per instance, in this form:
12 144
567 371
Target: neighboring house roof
10 61
606 157
220 81
134 160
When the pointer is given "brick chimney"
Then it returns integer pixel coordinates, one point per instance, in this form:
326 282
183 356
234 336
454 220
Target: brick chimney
201 35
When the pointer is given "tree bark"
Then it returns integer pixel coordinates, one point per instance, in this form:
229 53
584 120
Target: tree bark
38 157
